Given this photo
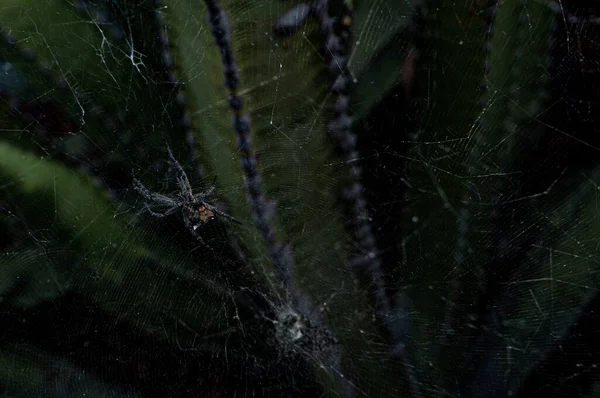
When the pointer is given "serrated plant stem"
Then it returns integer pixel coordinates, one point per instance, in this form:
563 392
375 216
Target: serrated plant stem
263 210
338 47
173 80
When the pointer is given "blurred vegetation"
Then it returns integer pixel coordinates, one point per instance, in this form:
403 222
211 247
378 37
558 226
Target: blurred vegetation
478 134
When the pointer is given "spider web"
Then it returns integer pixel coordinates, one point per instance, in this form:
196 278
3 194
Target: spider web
487 231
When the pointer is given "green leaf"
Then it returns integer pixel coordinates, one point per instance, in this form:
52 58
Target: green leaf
79 241
499 142
381 50
29 372
286 91
559 275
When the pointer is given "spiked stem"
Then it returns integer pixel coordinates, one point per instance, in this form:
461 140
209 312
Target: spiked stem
340 131
261 208
367 258
173 80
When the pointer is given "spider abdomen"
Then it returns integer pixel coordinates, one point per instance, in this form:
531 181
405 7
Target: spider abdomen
199 214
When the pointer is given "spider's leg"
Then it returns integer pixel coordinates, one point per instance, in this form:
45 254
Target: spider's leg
204 194
212 187
172 210
225 215
184 183
160 215
192 230
157 198
152 196
164 200
140 188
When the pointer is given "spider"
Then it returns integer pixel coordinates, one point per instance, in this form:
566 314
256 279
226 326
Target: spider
196 211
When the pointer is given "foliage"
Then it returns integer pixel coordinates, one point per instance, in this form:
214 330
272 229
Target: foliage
417 218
